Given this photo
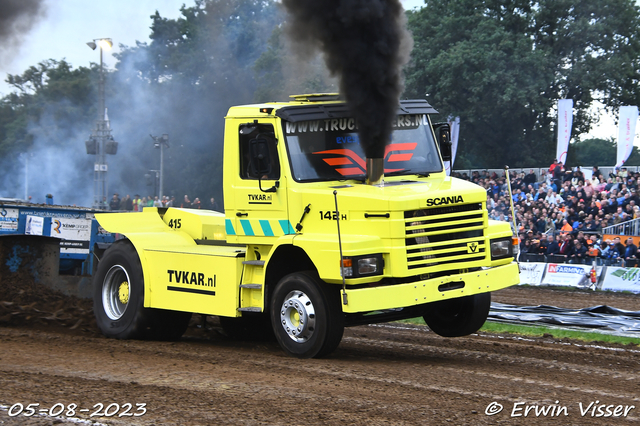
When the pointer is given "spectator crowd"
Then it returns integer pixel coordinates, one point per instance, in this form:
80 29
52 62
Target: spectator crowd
136 204
561 214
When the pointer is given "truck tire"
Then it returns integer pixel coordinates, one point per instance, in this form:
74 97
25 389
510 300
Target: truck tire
118 294
306 315
458 317
248 327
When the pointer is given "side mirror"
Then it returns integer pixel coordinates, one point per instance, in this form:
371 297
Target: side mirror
443 135
260 157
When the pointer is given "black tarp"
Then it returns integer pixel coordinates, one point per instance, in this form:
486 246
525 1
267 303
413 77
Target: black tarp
598 318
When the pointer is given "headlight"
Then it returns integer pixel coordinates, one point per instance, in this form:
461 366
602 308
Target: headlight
501 248
362 266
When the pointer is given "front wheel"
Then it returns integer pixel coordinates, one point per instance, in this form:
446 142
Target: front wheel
458 317
306 315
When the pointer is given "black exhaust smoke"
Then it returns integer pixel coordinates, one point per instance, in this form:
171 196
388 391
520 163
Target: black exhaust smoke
17 17
365 44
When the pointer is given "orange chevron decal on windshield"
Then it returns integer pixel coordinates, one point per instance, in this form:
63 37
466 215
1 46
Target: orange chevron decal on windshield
347 157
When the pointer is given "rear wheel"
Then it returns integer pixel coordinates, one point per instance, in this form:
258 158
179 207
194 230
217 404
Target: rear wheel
306 316
118 295
458 317
118 300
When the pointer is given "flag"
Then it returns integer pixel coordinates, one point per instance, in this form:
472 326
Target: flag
565 120
628 117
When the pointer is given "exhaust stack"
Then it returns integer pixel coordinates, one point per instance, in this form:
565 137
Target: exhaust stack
375 171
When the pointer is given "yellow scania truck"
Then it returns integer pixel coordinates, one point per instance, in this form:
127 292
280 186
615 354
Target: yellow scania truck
315 237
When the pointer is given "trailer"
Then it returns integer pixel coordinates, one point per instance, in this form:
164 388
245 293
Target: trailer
70 236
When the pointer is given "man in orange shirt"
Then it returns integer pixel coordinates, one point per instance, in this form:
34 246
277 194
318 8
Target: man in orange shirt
566 228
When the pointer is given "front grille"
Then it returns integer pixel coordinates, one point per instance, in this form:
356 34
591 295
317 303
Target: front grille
445 235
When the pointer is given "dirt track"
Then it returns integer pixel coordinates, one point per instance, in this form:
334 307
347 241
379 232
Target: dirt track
391 374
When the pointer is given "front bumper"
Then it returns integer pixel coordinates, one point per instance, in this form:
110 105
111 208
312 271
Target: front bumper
420 292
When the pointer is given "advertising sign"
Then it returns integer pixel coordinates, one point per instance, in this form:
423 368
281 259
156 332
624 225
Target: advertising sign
622 279
8 220
74 233
531 273
34 225
567 275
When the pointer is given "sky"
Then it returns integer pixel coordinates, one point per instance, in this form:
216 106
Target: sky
67 25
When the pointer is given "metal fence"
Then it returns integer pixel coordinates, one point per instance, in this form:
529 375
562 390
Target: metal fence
631 228
538 171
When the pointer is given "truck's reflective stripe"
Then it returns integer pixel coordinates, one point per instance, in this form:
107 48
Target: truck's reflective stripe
266 228
260 227
286 226
246 227
229 227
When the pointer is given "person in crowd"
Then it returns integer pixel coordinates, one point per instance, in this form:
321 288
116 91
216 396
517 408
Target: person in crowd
186 202
196 204
114 204
213 205
157 202
552 246
566 228
610 253
630 252
619 246
578 253
137 203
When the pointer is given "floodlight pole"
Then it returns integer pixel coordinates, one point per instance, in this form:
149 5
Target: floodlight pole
101 134
161 142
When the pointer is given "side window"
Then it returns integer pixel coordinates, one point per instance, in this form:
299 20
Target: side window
258 152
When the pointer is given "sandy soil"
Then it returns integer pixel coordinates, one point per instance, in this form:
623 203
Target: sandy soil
384 374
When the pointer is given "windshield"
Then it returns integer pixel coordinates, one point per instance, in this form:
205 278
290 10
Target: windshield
330 149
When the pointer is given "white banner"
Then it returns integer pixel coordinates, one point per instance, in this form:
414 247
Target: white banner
565 121
454 124
34 225
568 275
628 117
531 273
622 279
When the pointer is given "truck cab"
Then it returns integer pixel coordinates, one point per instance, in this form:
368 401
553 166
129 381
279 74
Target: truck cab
312 240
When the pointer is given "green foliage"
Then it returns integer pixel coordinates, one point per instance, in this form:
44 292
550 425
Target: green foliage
50 91
194 69
282 71
502 66
598 152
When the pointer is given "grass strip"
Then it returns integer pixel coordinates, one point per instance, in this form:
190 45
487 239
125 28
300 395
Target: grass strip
541 330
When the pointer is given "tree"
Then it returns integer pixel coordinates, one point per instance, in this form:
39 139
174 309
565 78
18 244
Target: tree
502 66
281 72
43 118
183 83
598 152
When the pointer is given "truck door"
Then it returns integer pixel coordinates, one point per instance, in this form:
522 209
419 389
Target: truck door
260 193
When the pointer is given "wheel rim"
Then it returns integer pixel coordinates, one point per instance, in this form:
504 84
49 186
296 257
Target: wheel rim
298 316
116 292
